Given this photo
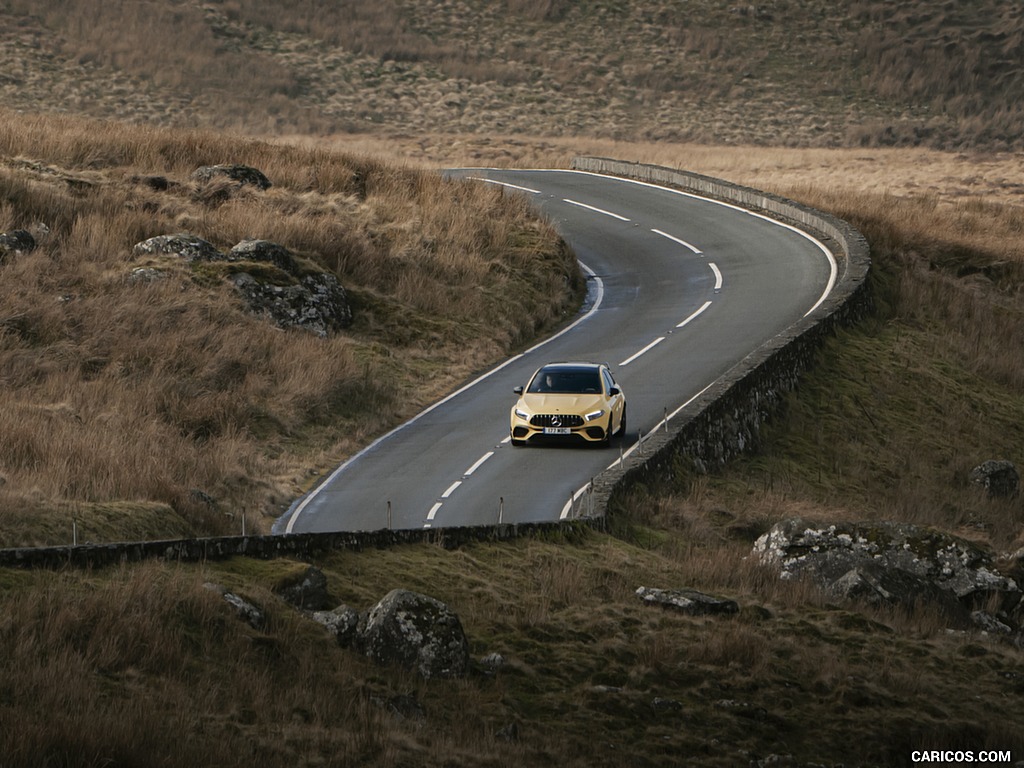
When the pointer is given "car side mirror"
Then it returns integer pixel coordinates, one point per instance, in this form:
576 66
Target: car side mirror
614 391
518 390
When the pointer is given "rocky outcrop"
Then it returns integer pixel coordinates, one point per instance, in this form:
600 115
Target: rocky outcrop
240 174
316 303
416 632
888 563
188 247
999 478
688 601
271 280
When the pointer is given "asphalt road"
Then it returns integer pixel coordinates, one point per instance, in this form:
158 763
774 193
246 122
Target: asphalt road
680 289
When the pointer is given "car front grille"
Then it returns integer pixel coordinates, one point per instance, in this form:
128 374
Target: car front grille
556 420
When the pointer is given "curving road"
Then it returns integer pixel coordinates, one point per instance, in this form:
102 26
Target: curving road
680 289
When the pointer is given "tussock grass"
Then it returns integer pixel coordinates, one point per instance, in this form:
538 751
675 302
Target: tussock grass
712 71
96 660
169 392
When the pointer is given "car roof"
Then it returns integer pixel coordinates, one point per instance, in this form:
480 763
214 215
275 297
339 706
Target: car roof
579 365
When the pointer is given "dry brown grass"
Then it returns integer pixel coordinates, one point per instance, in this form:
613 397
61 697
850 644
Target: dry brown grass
117 391
711 71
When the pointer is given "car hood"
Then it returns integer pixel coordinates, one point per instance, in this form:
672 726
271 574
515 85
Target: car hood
561 403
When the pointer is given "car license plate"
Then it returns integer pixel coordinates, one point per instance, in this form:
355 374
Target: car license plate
557 431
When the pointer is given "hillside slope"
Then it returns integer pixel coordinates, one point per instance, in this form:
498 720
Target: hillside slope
785 72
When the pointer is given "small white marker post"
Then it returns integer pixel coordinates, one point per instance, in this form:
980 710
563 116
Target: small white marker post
389 514
501 509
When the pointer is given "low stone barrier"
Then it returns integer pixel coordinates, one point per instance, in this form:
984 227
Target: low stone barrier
301 546
722 423
726 419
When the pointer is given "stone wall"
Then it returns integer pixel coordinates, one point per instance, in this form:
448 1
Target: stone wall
726 419
722 423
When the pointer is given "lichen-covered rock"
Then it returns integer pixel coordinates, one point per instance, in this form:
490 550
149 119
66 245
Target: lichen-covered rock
341 622
241 174
316 303
188 247
999 478
887 562
416 632
688 601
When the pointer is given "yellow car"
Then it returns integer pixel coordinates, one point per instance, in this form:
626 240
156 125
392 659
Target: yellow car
569 400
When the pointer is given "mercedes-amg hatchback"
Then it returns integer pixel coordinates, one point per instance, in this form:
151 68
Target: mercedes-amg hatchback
569 400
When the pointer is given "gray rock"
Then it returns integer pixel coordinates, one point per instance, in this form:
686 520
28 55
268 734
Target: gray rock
999 478
188 247
688 601
342 622
891 562
308 592
248 612
265 250
317 302
241 174
416 632
15 242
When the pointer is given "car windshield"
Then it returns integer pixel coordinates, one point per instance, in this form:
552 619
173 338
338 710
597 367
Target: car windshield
574 381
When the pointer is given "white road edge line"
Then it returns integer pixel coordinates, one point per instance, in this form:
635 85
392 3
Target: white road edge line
694 315
674 239
648 348
833 267
312 494
627 453
504 184
833 272
595 210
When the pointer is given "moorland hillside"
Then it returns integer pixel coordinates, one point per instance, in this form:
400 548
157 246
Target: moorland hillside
782 72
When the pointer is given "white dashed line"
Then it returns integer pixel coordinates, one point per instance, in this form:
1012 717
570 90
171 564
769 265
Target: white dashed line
718 275
433 510
451 489
595 210
648 348
694 315
674 239
479 461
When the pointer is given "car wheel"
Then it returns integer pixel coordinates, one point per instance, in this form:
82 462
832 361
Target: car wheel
516 443
622 425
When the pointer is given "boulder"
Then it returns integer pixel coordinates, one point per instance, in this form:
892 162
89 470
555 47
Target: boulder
308 591
999 478
688 601
341 622
188 247
16 241
317 303
240 174
416 632
886 562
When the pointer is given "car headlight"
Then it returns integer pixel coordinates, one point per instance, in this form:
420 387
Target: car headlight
594 415
522 414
